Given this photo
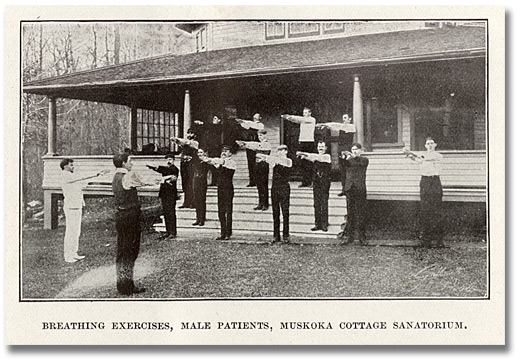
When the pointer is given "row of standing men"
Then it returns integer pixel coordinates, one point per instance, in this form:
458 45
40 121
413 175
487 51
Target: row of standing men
126 182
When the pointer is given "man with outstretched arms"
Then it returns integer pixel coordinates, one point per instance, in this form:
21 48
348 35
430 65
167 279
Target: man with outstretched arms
356 192
280 189
344 141
128 222
252 129
73 203
168 194
306 141
261 168
226 167
431 193
189 148
320 184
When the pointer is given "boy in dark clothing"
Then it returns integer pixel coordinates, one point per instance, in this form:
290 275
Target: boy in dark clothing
168 194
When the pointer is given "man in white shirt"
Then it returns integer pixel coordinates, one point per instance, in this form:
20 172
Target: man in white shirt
431 194
73 203
306 141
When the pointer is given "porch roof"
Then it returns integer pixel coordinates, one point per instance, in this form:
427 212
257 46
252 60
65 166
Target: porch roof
337 53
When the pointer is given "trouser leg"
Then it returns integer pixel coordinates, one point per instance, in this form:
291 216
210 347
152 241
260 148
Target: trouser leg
128 242
251 160
275 203
72 233
306 166
284 202
170 217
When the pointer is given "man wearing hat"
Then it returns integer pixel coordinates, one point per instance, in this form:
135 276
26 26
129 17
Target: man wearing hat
168 194
261 170
225 167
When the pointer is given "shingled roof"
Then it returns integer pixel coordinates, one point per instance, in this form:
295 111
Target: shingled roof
355 51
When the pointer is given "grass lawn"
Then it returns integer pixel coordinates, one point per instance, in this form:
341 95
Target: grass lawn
200 267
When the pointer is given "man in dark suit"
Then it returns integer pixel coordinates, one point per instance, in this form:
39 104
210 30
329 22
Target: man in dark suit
356 192
168 194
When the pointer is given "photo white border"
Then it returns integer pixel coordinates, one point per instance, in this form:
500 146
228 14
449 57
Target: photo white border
486 318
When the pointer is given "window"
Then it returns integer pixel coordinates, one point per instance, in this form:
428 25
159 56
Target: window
303 29
384 122
156 127
202 40
274 30
333 27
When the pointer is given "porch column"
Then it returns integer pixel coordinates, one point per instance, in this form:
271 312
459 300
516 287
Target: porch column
51 127
133 128
187 113
357 112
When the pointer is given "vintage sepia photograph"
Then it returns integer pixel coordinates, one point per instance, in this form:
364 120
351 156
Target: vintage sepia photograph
260 158
208 161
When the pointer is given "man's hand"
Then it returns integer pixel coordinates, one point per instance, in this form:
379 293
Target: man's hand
150 167
241 143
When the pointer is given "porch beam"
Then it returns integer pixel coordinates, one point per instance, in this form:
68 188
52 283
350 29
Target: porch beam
357 111
51 127
187 113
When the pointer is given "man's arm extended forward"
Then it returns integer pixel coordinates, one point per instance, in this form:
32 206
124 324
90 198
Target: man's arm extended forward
275 160
298 119
325 158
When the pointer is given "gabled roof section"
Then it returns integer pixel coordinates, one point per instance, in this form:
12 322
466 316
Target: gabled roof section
356 51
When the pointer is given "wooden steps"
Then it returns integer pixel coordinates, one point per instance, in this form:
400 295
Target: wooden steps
245 219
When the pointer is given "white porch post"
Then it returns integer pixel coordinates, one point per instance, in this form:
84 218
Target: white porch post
357 111
51 127
187 113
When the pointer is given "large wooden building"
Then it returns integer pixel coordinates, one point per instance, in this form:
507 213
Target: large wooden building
399 81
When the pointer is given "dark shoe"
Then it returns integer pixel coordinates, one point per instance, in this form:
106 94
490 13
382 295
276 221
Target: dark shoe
201 223
138 290
315 228
171 237
285 238
251 185
221 237
325 229
258 208
276 239
264 208
227 237
163 236
196 223
342 194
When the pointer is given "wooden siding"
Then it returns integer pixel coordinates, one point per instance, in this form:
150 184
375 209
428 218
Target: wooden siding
233 34
88 165
390 176
480 131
